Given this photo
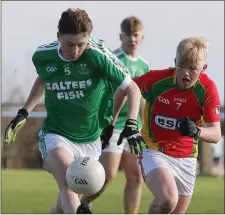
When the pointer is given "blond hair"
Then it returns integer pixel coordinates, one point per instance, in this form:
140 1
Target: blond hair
192 50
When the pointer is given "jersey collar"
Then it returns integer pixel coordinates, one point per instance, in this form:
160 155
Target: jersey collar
129 57
59 54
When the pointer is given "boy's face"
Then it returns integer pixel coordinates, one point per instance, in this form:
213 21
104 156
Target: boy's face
188 73
131 41
73 46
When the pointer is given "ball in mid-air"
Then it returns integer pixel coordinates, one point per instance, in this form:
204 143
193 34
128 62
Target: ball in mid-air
85 175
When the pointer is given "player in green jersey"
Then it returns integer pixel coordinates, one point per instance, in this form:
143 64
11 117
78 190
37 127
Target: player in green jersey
113 155
72 73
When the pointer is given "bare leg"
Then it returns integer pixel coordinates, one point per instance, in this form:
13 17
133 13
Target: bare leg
57 162
56 208
162 184
133 187
110 162
182 205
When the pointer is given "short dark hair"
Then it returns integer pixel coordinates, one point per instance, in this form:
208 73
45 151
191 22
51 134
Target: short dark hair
131 24
74 22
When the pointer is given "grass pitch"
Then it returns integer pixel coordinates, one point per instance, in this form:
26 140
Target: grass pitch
34 191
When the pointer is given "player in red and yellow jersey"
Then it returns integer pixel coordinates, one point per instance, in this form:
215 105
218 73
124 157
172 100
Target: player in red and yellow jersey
178 101
167 106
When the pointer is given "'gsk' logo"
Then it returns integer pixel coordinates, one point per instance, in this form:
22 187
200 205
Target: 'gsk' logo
51 69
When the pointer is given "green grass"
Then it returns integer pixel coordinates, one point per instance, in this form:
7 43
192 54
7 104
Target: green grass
34 191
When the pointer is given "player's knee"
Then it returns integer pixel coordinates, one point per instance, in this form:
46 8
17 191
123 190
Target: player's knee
169 205
163 206
134 177
110 175
109 178
134 180
60 177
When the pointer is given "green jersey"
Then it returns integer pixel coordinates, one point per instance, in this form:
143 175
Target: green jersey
73 89
137 67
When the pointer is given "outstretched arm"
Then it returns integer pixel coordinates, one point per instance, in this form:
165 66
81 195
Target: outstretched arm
133 98
18 122
35 95
133 95
142 108
120 98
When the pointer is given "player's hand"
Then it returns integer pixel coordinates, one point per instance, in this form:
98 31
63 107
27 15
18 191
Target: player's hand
106 135
188 127
133 136
15 125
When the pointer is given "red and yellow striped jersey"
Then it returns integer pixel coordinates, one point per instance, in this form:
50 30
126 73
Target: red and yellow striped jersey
166 105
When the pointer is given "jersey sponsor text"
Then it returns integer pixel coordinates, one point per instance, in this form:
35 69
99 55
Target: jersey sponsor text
69 85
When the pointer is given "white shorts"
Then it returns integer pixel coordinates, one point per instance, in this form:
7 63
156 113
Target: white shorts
183 169
124 146
49 141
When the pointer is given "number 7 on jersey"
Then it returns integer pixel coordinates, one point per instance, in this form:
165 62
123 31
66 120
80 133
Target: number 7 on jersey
178 105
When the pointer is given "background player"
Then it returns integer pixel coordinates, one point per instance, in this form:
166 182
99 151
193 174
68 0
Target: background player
178 101
112 155
72 73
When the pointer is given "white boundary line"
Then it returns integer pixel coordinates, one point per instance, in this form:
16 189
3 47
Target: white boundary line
31 115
